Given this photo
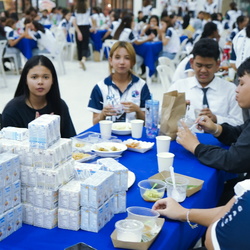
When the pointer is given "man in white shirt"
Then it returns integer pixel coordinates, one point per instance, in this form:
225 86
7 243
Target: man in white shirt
205 92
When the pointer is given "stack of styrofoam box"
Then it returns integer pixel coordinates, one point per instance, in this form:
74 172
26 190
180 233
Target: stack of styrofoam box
120 184
51 168
97 200
46 165
69 214
10 195
44 131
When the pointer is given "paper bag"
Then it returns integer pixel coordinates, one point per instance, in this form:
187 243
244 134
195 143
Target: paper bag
96 55
173 108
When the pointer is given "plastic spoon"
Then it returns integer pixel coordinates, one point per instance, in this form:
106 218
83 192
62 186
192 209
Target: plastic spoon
175 193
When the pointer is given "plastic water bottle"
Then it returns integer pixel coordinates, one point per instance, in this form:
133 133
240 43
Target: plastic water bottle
152 118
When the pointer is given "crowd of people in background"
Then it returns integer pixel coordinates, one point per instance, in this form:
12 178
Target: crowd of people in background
214 41
175 21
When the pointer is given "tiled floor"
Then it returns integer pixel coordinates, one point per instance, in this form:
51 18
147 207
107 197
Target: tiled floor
75 87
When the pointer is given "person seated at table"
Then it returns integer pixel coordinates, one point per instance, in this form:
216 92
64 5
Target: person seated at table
44 20
115 22
46 41
65 24
169 37
37 93
241 23
121 90
13 38
152 27
213 96
34 14
125 33
227 225
235 159
210 30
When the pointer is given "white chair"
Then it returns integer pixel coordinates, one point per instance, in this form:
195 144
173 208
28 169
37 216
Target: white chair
181 53
58 54
107 45
165 73
166 61
13 58
2 47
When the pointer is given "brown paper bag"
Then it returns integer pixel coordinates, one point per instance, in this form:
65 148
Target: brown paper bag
173 108
96 55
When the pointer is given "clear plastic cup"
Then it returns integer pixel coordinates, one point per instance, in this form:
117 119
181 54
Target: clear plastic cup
181 188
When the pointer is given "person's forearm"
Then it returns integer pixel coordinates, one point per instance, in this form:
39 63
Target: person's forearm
98 117
206 217
140 115
12 43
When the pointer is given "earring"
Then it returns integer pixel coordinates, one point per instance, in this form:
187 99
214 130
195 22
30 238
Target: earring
113 70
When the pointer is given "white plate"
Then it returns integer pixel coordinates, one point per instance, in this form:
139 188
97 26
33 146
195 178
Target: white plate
121 128
131 178
138 146
109 146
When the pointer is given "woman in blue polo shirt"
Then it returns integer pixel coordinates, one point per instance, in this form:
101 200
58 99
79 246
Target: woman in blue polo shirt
122 95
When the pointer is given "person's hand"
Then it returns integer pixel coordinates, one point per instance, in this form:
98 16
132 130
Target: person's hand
108 110
206 124
130 107
79 36
151 37
170 208
37 115
186 138
208 112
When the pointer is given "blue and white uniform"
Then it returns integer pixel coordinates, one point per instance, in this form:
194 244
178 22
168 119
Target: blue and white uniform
107 93
173 45
232 231
240 49
45 41
11 34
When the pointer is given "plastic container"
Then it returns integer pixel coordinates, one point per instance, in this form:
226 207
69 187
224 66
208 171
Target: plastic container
152 118
181 188
152 190
146 215
129 230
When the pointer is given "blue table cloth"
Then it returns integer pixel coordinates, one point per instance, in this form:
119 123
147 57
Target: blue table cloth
97 39
174 235
26 45
150 53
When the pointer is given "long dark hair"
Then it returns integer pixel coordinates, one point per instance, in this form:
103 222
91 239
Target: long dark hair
248 29
125 23
209 29
53 97
81 6
38 26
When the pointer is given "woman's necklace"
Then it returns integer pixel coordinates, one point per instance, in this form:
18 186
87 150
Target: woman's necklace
31 105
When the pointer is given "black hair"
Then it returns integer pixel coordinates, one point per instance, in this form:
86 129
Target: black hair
233 6
206 47
209 29
53 96
81 6
65 12
186 20
155 17
248 30
214 17
244 68
125 23
38 26
240 19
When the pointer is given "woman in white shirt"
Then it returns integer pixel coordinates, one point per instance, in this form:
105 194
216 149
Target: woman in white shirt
169 37
82 25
